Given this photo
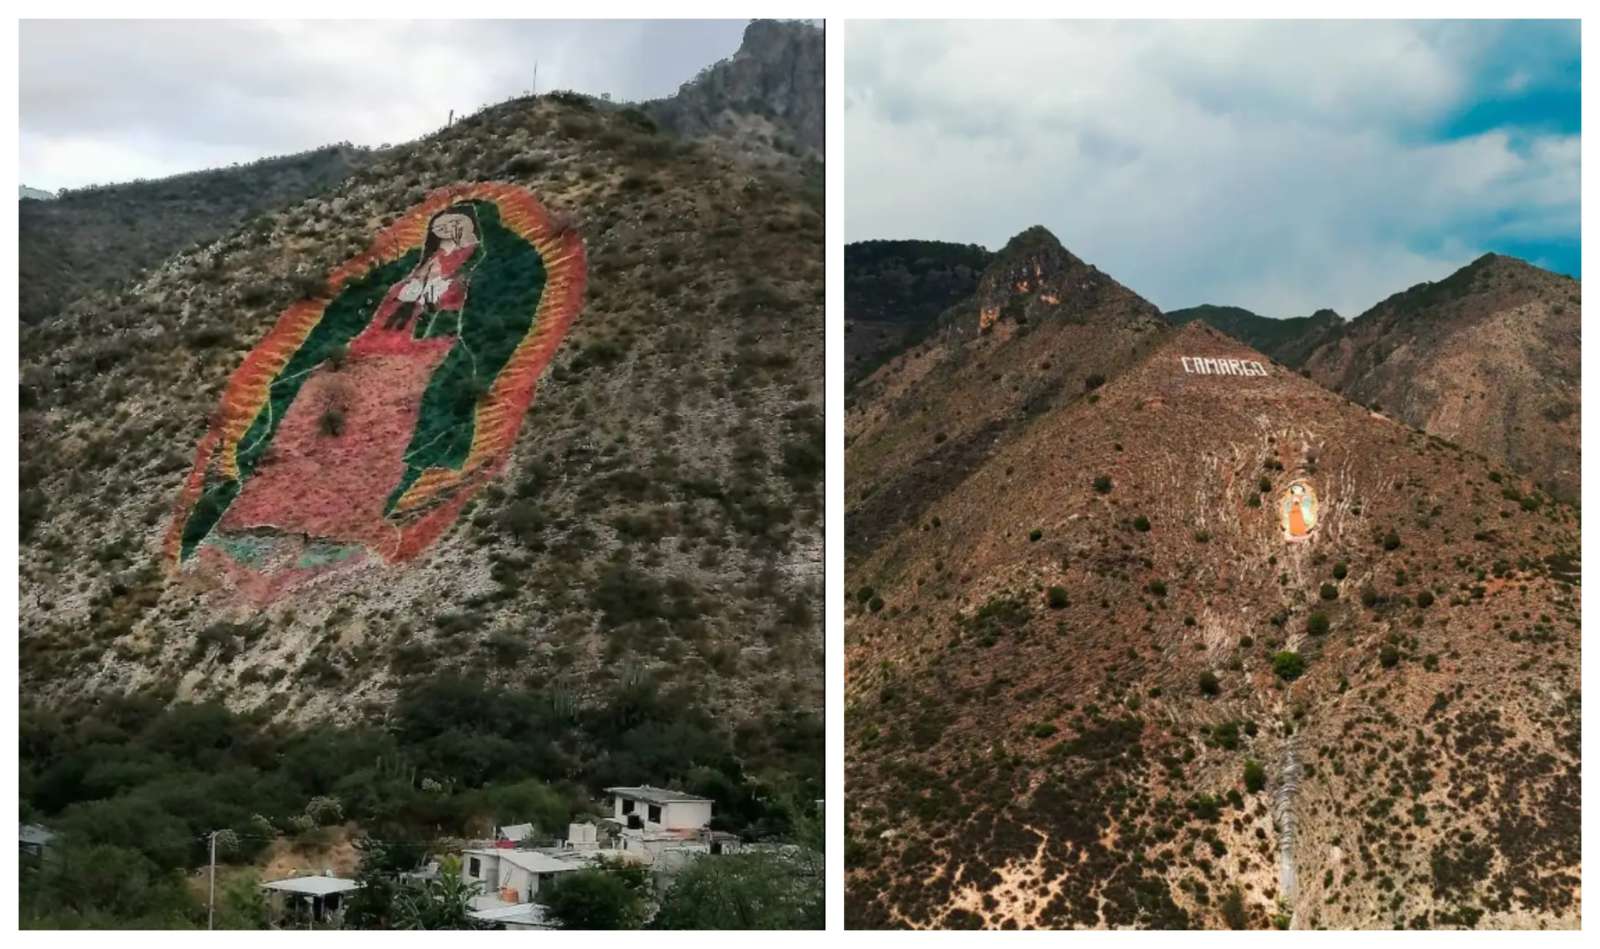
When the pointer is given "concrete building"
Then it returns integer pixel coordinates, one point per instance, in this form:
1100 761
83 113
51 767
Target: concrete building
514 876
658 809
33 839
305 902
665 828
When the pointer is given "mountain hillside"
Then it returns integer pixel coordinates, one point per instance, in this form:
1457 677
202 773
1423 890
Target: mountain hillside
658 514
764 100
1289 341
1214 647
894 293
1487 357
99 238
1041 330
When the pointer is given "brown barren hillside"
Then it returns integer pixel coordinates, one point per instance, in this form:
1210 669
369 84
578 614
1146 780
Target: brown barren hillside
1043 329
1487 357
1127 673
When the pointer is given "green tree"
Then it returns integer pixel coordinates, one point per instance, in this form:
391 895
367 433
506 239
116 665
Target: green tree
767 890
382 862
1255 776
440 903
1233 911
103 886
1288 665
594 899
241 904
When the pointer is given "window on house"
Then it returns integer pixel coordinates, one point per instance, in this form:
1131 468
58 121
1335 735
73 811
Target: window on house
654 814
627 807
475 868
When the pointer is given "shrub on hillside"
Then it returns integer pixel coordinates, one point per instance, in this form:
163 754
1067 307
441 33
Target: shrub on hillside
1288 665
1255 776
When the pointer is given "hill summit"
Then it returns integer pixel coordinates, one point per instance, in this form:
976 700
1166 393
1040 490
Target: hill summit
1041 330
1206 646
1487 357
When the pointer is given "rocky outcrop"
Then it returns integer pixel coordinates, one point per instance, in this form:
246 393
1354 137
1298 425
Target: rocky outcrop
767 97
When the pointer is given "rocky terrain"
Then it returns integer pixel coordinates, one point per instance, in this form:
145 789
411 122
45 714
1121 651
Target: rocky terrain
1109 670
1041 330
661 513
1487 358
765 101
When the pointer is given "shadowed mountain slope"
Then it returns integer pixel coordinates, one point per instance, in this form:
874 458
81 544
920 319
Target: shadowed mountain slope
100 238
1288 341
894 293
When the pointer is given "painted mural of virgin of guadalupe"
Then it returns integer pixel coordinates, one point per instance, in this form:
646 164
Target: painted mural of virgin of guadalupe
1297 511
361 425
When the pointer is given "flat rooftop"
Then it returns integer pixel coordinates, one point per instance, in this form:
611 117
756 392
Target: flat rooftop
313 885
658 795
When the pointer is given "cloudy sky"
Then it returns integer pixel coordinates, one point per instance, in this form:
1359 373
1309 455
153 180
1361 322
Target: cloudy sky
1281 166
106 101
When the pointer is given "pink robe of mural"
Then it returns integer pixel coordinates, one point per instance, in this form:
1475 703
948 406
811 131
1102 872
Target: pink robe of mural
334 485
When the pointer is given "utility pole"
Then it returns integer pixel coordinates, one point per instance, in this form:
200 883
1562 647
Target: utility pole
536 77
211 901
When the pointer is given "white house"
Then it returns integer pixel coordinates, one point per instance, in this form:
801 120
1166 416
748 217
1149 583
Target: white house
313 899
514 876
656 809
666 828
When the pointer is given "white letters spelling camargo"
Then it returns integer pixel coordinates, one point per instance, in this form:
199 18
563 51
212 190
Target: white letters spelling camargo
1206 366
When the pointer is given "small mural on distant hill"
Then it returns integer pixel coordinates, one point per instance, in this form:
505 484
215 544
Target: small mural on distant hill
1297 509
365 420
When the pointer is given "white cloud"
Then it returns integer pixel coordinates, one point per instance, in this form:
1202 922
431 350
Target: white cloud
110 100
1276 166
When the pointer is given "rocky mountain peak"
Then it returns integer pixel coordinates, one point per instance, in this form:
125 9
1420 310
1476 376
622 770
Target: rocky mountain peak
1035 277
765 98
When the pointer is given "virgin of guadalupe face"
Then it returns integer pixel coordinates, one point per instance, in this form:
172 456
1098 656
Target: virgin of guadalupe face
453 230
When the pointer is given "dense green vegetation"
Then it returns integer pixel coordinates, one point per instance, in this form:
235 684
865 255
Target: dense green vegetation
909 282
906 284
134 787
